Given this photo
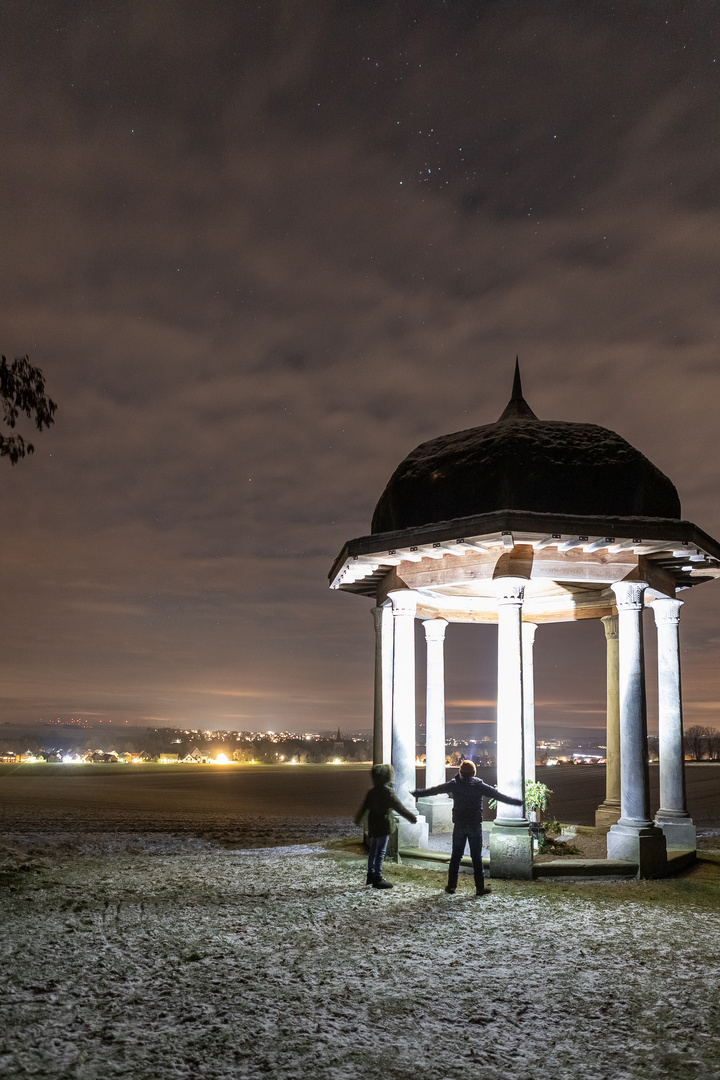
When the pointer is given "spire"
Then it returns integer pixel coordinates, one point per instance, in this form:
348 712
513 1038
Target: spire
517 408
517 384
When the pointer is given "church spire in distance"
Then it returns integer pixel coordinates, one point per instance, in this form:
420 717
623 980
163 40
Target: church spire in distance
517 407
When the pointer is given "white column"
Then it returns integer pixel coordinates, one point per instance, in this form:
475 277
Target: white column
436 809
510 750
382 716
634 837
672 817
435 703
609 811
510 841
404 605
634 775
403 739
528 668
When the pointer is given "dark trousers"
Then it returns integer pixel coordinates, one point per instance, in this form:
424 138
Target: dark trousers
473 837
376 853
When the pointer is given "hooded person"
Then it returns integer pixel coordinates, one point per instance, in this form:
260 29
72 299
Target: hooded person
378 804
467 792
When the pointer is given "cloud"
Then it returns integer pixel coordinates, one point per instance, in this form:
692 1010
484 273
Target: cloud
477 704
263 256
234 693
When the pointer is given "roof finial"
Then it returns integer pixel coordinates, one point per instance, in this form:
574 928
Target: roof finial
517 394
517 408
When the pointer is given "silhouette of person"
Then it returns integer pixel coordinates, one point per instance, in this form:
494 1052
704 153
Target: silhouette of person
467 792
378 804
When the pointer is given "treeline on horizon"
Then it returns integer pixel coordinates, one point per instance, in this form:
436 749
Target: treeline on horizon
701 743
156 742
237 746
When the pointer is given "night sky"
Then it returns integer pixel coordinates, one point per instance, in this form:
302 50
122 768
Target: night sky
263 250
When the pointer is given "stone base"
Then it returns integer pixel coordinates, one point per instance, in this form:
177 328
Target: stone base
412 836
437 811
639 843
511 852
406 835
607 814
680 833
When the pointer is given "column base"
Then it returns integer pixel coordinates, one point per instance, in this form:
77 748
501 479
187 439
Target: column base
437 811
511 852
679 830
412 836
639 842
607 814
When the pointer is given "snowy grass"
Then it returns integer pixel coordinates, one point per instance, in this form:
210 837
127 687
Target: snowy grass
155 958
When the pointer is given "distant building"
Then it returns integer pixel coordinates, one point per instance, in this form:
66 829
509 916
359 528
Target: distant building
195 757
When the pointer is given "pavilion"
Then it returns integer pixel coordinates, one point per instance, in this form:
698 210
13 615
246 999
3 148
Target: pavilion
520 523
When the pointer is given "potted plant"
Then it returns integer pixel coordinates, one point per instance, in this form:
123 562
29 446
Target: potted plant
536 801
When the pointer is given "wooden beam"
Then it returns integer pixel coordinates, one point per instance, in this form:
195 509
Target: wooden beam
659 580
576 541
488 616
563 566
456 549
623 545
547 541
432 552
598 545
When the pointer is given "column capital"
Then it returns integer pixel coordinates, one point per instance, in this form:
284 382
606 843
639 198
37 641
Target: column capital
666 610
435 629
629 594
510 590
404 602
528 632
376 613
610 623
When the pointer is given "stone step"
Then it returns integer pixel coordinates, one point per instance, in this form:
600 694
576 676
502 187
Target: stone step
570 868
577 869
585 868
425 856
678 859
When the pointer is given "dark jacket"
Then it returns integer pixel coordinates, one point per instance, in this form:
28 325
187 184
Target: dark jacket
378 803
467 794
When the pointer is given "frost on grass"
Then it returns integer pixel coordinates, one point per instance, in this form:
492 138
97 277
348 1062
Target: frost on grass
182 962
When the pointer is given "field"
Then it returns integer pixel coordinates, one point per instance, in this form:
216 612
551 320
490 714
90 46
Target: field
248 804
141 940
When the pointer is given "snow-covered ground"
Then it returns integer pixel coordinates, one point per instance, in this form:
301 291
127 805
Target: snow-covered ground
165 956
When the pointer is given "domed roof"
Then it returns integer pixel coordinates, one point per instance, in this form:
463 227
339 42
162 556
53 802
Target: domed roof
522 463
